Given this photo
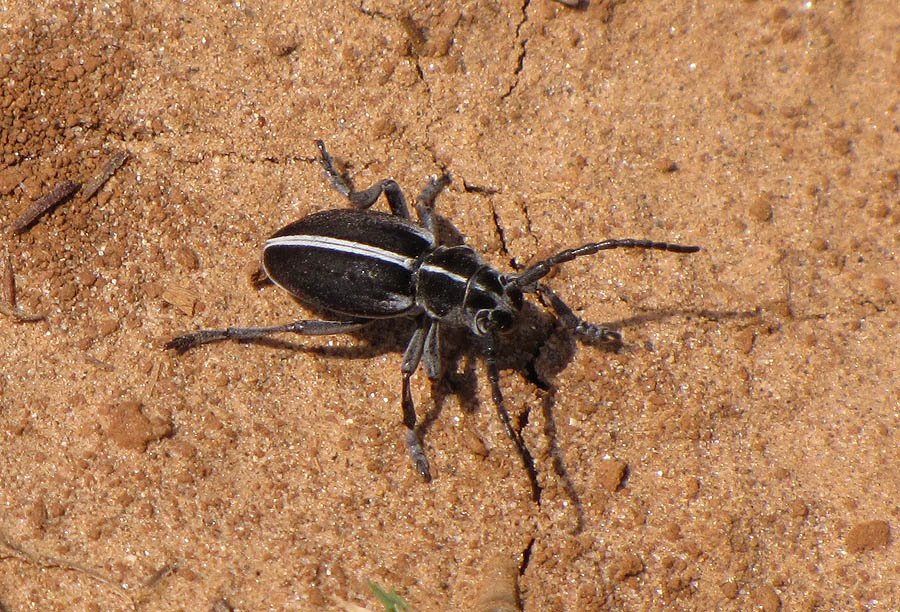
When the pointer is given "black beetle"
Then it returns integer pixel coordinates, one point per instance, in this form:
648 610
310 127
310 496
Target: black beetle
363 265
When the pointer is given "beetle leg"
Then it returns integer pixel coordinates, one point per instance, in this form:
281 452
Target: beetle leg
390 188
493 372
334 177
363 199
433 366
425 201
583 329
307 328
411 359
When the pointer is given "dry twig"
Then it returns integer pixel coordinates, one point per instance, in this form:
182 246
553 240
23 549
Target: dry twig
115 162
45 203
8 301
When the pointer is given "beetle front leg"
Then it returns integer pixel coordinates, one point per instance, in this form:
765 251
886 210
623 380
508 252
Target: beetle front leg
188 341
363 199
581 328
411 359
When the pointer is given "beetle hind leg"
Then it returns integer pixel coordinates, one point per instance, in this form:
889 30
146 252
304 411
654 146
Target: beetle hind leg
413 442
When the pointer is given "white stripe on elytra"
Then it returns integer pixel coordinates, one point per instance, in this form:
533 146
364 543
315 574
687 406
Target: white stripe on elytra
444 272
343 246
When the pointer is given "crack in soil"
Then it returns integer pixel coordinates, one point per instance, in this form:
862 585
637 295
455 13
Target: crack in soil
489 191
523 43
500 233
526 557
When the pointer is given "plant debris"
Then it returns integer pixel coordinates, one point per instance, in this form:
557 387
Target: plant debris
62 192
115 162
8 301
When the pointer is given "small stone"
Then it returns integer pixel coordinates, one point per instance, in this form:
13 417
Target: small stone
474 443
67 292
9 179
86 278
129 428
609 474
767 599
181 298
283 44
866 536
186 258
729 589
36 515
667 165
761 209
627 565
107 327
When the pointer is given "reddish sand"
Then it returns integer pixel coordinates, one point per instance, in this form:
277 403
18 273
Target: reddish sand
741 449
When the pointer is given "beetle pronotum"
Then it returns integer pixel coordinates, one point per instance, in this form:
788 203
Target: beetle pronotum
362 265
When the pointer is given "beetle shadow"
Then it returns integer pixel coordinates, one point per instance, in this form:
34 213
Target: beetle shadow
538 348
534 349
661 315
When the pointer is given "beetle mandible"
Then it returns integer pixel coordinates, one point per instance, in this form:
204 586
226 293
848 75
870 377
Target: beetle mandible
362 265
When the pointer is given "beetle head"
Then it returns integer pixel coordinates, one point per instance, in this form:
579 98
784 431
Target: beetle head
491 302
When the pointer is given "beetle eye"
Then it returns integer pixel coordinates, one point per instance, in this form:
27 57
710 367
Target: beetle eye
483 322
488 321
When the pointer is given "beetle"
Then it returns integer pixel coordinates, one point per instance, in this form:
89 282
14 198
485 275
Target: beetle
360 265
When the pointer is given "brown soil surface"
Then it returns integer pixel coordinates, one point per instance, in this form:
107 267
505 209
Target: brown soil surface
740 450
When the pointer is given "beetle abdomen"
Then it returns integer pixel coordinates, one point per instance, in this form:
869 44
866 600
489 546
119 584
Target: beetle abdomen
352 262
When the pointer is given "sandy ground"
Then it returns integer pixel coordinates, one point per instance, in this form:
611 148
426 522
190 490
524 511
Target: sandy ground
740 450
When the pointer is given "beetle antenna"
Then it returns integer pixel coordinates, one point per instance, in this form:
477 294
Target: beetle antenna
542 268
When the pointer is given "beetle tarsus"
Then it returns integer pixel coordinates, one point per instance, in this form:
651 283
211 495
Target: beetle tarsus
186 342
181 344
417 454
365 198
597 333
334 177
